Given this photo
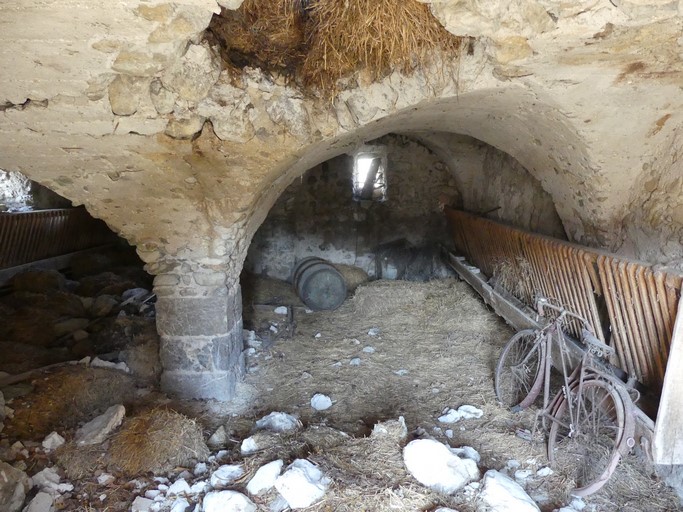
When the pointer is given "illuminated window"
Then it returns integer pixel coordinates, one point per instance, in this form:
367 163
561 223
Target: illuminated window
369 174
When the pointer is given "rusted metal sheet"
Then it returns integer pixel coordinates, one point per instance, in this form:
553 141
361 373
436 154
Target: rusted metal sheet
31 236
630 306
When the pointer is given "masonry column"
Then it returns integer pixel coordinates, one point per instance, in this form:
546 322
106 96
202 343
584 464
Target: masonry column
199 319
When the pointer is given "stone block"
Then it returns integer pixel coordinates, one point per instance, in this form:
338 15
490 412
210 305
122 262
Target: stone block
124 94
200 385
182 128
193 316
202 354
162 99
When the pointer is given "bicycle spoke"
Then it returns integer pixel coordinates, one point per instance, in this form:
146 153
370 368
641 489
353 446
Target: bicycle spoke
519 370
588 450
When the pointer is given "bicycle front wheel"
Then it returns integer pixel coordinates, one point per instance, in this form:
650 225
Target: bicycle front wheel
519 372
589 449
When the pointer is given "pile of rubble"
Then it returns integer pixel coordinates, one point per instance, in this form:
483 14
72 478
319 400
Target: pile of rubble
47 318
281 466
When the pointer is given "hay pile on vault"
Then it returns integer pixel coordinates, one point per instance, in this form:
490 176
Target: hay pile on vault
319 42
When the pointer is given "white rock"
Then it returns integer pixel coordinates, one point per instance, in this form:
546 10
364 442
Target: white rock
321 402
302 485
355 361
199 487
467 452
225 475
218 439
522 474
97 430
14 484
502 494
105 479
141 504
278 422
445 509
227 501
280 310
449 433
265 477
46 480
180 505
279 504
200 469
53 441
318 335
578 503
65 487
152 494
435 466
512 464
543 472
42 502
464 412
179 487
249 446
374 331
369 350
401 372
99 363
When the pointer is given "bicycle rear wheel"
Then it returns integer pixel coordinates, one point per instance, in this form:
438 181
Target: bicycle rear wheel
519 372
590 449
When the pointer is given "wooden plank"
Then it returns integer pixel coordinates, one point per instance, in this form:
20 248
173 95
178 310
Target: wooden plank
668 437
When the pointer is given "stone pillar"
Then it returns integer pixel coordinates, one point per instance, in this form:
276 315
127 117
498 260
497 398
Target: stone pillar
199 319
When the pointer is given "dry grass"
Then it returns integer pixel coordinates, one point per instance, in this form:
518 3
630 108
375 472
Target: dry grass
81 461
157 441
443 335
376 36
323 41
353 276
65 397
515 278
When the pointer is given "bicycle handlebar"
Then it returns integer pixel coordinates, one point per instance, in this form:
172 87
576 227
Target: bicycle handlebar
587 335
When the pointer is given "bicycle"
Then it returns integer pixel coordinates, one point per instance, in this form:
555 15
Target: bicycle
591 419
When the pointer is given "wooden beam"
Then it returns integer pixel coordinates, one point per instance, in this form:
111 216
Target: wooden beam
668 437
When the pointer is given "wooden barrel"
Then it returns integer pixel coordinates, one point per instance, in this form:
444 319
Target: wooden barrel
318 284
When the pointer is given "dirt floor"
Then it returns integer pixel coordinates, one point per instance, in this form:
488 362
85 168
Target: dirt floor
393 349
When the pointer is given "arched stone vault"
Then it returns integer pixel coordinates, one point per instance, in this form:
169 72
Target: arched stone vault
103 106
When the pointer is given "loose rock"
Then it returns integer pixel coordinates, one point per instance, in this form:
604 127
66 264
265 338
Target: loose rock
302 484
141 504
218 439
97 430
42 502
499 493
464 412
279 422
227 501
53 441
225 475
321 402
264 478
435 466
14 485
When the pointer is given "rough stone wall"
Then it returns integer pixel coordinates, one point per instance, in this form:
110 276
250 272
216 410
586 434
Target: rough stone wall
317 216
492 182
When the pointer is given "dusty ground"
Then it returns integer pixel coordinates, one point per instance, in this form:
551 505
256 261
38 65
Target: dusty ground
436 347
